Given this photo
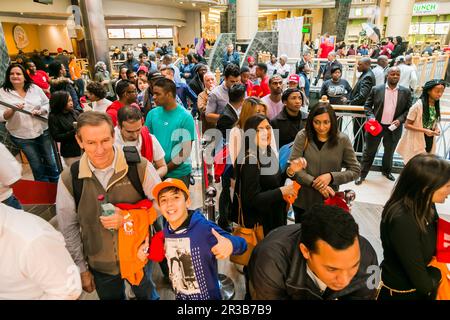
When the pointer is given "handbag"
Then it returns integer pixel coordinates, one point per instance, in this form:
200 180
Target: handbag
251 235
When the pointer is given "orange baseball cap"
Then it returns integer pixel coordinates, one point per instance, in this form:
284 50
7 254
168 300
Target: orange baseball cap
169 182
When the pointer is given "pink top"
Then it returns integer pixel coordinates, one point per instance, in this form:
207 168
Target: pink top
390 103
274 108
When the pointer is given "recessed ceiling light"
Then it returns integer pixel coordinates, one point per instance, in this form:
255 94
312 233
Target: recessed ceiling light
193 4
181 2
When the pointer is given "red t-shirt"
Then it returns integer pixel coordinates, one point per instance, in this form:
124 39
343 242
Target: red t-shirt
326 48
41 79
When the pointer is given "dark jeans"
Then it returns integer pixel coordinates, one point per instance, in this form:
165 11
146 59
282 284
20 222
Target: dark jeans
390 141
299 213
13 202
428 143
79 83
113 287
225 203
40 155
358 133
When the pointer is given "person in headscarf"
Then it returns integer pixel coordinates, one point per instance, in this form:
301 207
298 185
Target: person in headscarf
196 83
102 75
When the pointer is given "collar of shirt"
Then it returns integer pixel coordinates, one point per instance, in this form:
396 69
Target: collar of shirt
238 112
107 169
387 87
184 226
319 283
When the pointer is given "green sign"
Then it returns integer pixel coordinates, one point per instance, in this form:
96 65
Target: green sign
425 7
305 30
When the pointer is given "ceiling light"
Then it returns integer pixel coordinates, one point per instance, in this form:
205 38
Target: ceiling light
193 4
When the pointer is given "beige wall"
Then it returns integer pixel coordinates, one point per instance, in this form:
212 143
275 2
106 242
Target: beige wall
317 17
133 9
58 6
54 37
192 30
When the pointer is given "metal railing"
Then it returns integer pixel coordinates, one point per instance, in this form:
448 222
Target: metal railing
347 114
6 140
428 67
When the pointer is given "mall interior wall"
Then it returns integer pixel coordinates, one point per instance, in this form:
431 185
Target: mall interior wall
41 37
58 6
192 30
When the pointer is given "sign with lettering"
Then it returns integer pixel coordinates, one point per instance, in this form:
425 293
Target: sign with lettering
425 7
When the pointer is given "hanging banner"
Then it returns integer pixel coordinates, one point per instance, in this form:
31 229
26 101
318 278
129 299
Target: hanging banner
290 37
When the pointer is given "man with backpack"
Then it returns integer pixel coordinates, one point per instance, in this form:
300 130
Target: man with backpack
104 174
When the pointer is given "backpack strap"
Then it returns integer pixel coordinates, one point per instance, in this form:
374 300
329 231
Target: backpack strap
132 174
77 183
133 158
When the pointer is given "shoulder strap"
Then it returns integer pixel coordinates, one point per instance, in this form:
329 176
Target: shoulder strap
133 158
132 174
77 183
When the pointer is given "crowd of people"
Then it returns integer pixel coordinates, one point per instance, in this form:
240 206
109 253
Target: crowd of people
126 143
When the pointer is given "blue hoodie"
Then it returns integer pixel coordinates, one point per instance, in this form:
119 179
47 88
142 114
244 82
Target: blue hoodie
192 266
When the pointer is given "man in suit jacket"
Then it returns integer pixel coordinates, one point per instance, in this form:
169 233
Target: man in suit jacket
230 115
326 68
359 96
227 120
389 104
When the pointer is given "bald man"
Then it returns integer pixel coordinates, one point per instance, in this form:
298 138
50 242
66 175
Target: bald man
389 104
326 68
359 96
380 71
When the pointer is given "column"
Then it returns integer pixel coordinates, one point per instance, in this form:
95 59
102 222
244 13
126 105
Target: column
95 32
399 20
379 21
4 57
316 17
246 19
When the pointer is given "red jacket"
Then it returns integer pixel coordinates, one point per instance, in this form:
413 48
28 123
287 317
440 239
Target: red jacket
261 90
147 144
113 109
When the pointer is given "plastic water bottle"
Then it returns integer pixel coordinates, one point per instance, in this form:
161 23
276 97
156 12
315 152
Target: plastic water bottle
108 209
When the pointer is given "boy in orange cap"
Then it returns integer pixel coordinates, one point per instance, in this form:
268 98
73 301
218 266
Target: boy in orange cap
192 244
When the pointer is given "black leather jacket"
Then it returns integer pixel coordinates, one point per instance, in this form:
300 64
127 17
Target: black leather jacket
277 270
